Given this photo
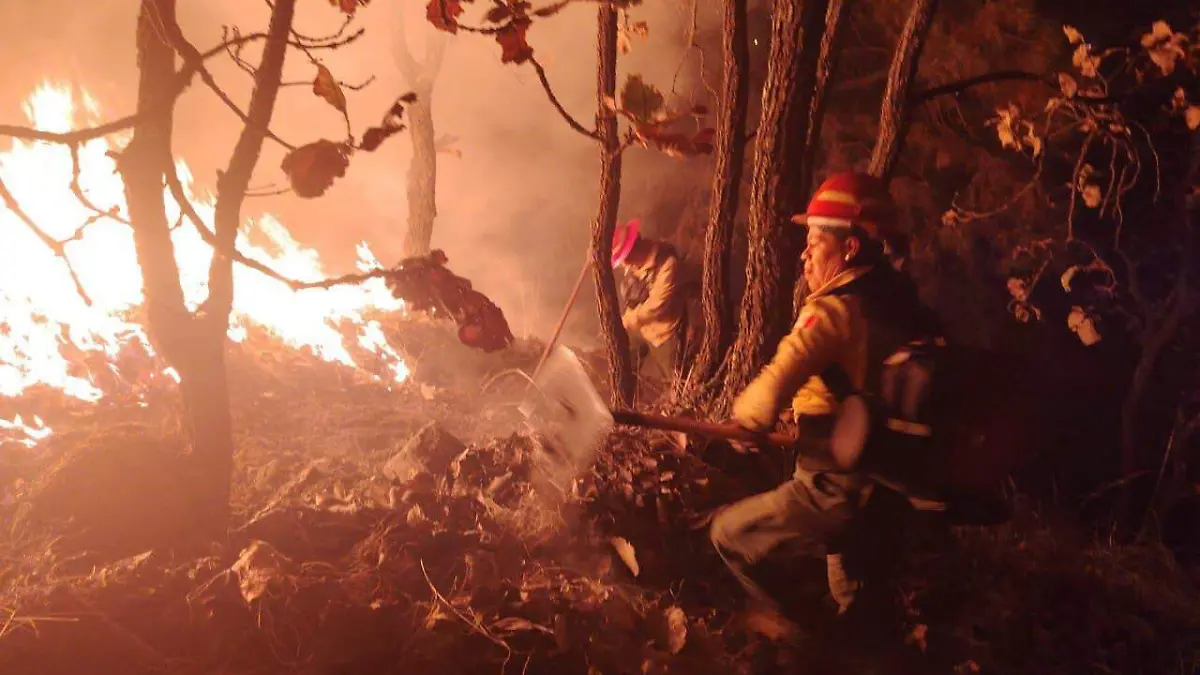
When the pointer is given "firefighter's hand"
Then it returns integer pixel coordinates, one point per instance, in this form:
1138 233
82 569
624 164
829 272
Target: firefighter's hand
742 447
739 446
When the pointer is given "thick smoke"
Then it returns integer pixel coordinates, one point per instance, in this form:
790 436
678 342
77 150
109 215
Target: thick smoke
514 209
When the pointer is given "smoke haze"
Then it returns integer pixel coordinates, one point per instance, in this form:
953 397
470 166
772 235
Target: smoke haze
514 210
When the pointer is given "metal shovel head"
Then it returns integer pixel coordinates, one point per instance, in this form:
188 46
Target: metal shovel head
567 410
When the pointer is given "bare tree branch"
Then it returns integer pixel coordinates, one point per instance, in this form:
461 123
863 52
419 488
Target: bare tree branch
182 81
232 184
541 73
59 247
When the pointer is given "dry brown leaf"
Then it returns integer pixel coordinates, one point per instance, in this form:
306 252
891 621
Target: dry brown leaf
1073 36
328 88
676 629
1087 63
349 6
311 169
1192 117
1092 195
443 14
918 637
627 554
1067 84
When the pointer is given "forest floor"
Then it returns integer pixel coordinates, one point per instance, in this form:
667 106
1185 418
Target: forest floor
406 530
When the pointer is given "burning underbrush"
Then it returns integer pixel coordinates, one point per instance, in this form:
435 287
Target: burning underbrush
384 527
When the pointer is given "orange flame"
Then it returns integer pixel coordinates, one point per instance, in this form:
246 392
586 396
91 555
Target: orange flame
43 320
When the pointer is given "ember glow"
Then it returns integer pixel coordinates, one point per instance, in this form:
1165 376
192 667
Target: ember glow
50 337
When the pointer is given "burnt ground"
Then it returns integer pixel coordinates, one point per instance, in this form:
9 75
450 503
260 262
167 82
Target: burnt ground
411 530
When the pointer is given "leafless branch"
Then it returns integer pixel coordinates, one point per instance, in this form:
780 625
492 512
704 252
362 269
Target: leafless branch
541 73
182 81
344 85
53 244
77 190
195 59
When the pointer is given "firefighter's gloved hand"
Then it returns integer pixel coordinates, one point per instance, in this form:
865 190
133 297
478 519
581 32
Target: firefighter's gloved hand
742 447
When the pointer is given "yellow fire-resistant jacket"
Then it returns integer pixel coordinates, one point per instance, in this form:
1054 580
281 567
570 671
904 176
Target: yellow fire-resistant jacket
830 328
659 317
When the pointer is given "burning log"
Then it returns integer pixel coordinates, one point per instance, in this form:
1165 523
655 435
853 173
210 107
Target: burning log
424 283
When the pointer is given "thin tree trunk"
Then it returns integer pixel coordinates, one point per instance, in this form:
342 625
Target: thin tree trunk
894 114
730 151
421 189
836 18
175 332
616 342
422 176
777 188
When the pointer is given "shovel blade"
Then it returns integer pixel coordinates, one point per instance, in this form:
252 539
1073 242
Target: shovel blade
566 409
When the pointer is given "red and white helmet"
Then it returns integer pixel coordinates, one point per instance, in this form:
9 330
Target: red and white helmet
847 199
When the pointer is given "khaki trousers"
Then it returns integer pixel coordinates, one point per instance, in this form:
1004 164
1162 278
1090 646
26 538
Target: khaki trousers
819 513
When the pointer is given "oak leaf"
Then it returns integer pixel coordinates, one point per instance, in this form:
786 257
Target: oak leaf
392 124
1164 46
312 168
513 44
349 6
443 14
327 88
1067 85
677 144
642 101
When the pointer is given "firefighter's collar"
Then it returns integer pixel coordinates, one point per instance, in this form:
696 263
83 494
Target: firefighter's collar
844 277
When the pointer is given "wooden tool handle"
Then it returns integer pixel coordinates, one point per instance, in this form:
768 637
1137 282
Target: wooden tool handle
729 432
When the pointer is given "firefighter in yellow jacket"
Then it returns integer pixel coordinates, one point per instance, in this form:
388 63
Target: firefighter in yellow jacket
858 311
657 316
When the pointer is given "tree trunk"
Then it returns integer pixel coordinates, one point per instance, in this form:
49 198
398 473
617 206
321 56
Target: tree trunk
616 342
777 187
893 117
836 18
730 151
175 332
422 176
422 169
1160 333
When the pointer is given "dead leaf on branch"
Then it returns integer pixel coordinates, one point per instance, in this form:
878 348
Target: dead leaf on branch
392 124
514 48
349 6
552 9
312 168
643 102
1192 117
425 285
1067 85
443 14
1073 36
327 88
1164 46
1087 63
1092 195
676 144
